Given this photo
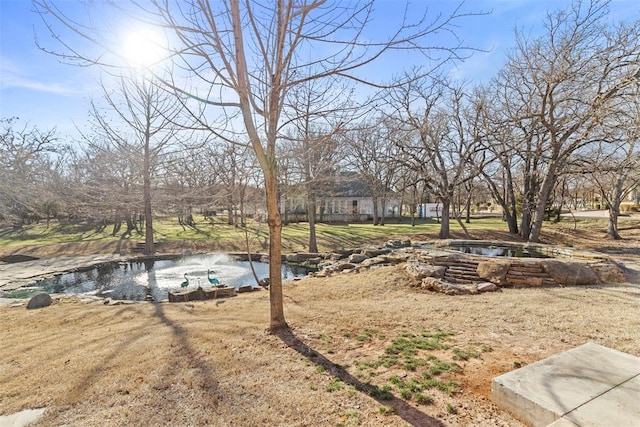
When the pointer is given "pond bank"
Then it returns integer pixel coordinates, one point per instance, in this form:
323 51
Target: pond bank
20 274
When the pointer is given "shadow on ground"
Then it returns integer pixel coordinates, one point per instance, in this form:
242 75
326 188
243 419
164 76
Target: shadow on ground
401 408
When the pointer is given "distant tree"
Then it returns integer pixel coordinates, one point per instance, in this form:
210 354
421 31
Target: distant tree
107 185
411 188
316 114
24 171
613 164
497 135
186 184
233 164
148 119
371 152
438 145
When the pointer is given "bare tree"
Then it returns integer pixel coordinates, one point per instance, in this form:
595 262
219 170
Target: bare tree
371 152
103 185
24 168
613 164
188 183
501 158
246 57
559 86
233 165
438 145
411 188
316 113
147 126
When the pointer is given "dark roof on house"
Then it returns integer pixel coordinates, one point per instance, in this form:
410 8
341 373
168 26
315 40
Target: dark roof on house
346 184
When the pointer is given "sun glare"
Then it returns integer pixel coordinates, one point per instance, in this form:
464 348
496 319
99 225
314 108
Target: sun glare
143 48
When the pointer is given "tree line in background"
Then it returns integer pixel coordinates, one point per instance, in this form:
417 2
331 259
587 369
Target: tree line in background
267 96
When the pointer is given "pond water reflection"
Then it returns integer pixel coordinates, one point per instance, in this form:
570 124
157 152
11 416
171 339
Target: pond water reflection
142 280
498 250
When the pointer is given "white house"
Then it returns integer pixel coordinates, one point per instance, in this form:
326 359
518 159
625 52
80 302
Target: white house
346 198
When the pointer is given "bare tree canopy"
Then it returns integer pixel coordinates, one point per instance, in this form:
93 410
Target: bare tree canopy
556 90
242 59
149 115
26 163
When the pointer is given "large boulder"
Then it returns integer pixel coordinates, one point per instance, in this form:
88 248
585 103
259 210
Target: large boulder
397 243
374 261
420 270
40 300
444 287
488 287
302 257
494 270
297 258
396 257
357 258
337 256
314 261
344 266
372 252
569 273
325 265
608 272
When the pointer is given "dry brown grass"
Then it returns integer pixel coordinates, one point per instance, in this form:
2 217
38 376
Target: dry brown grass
212 363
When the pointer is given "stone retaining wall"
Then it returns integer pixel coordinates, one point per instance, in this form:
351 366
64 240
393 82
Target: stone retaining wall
432 266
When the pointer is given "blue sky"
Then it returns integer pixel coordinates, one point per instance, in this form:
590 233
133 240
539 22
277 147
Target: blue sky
40 90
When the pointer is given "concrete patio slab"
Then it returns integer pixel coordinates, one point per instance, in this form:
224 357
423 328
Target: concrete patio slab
619 406
22 418
590 385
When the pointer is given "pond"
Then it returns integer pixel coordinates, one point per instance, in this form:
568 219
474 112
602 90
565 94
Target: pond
498 250
153 279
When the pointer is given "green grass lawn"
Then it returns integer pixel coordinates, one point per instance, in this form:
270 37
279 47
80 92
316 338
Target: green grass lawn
295 237
41 234
217 235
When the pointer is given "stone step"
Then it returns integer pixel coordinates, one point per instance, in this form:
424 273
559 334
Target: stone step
463 276
454 270
527 274
532 269
460 281
530 281
470 264
462 270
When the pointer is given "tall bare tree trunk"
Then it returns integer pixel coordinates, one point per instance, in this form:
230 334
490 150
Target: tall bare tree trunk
614 207
511 215
267 159
445 224
149 248
275 254
612 228
467 207
311 216
543 197
376 213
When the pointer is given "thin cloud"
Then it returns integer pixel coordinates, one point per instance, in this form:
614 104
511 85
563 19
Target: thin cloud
13 77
